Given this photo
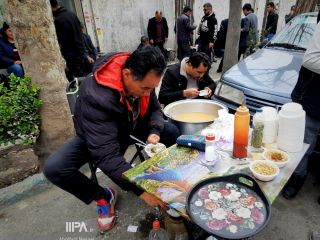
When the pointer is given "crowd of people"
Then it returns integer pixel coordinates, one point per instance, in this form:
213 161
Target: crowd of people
118 99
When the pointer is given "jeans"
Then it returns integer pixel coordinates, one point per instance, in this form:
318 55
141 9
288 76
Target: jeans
62 167
16 69
310 136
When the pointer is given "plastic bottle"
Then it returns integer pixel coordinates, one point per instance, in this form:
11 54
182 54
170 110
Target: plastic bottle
241 132
175 226
258 126
157 233
210 151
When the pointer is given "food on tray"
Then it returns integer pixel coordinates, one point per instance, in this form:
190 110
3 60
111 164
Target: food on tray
264 168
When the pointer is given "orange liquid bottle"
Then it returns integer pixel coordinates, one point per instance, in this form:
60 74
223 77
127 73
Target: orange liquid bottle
241 132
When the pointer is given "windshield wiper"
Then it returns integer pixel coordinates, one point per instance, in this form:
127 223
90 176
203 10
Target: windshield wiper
286 45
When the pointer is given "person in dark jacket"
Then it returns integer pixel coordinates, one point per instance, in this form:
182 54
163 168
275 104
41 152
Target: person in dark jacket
207 30
306 92
291 15
144 41
69 34
90 49
9 56
158 31
186 79
118 100
243 41
184 29
272 21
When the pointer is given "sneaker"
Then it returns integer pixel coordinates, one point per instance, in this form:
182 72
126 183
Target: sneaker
293 186
106 212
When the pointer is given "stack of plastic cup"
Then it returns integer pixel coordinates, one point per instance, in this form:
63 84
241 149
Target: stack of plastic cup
270 122
292 120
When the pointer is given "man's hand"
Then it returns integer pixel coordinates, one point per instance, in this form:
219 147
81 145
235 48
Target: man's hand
90 60
152 201
151 41
211 45
153 138
191 92
17 62
209 92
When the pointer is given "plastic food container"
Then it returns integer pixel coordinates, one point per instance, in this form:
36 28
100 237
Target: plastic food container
264 170
153 149
280 158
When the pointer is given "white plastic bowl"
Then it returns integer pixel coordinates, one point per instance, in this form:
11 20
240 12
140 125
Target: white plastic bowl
153 149
280 164
264 177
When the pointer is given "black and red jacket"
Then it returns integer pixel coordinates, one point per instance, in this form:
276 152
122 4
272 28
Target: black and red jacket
104 117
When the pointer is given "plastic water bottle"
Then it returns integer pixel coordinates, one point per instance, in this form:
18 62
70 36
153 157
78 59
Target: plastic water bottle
157 233
210 151
257 133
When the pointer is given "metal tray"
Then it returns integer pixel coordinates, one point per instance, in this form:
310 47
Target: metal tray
229 207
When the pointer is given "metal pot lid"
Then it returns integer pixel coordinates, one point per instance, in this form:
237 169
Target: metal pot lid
230 207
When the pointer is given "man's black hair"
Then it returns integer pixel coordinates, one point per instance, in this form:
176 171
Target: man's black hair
187 9
247 6
54 3
197 58
141 62
271 4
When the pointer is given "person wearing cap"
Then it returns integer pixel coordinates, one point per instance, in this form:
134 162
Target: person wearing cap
9 56
184 29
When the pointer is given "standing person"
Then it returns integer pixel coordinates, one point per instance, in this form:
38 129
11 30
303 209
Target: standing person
288 17
118 100
306 92
272 21
158 31
70 39
9 56
207 30
253 26
184 31
185 79
90 49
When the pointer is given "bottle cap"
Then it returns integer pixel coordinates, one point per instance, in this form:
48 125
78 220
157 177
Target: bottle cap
156 224
259 110
242 110
210 137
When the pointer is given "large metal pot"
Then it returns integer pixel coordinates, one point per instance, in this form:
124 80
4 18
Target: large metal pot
192 105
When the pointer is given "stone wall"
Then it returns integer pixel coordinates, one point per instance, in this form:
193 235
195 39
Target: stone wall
2 17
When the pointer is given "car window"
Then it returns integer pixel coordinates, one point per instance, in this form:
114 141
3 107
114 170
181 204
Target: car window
298 32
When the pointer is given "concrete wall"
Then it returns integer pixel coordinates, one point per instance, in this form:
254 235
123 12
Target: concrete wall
123 22
119 24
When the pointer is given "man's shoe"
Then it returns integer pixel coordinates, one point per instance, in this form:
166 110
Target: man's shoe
106 213
293 186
